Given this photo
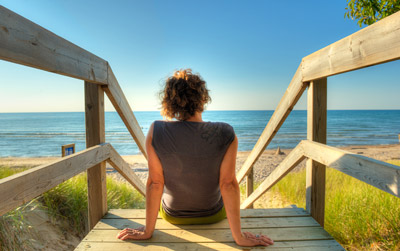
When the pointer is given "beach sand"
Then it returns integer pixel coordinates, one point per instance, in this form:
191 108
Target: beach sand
51 236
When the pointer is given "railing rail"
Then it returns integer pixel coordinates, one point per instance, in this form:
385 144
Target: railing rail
22 187
376 44
24 42
376 173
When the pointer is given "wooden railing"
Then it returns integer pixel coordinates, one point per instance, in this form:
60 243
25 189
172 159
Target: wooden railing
375 44
24 42
374 172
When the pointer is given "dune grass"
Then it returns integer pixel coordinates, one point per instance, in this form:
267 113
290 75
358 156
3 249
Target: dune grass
67 201
359 216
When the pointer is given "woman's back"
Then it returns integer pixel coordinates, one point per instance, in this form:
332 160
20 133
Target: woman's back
191 154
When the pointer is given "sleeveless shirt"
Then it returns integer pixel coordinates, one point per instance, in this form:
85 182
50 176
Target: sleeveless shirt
191 154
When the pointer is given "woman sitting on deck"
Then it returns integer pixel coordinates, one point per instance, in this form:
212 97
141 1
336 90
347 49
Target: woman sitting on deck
191 164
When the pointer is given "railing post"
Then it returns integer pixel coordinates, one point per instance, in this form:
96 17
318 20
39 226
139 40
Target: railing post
95 134
316 131
250 185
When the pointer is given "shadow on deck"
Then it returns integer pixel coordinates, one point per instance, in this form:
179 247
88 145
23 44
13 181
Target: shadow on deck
290 228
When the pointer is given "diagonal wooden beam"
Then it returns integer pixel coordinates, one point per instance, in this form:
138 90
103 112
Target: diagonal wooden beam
23 187
376 44
24 42
121 105
125 170
377 173
285 106
290 162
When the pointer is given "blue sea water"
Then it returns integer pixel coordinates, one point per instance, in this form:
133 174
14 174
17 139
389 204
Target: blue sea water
42 134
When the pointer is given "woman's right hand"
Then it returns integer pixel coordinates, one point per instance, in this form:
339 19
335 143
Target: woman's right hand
250 240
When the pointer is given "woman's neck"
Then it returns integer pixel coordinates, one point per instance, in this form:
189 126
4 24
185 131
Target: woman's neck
196 117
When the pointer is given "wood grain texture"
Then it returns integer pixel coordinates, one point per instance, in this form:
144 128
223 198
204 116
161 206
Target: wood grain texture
377 173
244 213
121 105
24 42
285 106
23 187
216 235
125 170
316 131
250 185
314 245
95 134
290 162
375 44
108 224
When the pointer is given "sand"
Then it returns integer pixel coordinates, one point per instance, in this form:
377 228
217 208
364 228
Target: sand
266 163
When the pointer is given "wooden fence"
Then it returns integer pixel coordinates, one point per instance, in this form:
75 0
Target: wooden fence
26 43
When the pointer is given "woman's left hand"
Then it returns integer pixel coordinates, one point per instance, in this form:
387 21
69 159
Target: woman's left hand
134 234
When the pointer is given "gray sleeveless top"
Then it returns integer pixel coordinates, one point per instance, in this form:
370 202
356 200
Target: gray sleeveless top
191 154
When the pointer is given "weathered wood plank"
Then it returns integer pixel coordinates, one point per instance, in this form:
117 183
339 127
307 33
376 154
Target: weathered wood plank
379 174
24 42
244 213
125 170
290 162
375 44
285 106
216 235
23 187
316 131
316 245
250 185
95 134
109 224
121 105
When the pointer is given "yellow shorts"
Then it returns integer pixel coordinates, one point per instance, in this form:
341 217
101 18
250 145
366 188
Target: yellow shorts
220 215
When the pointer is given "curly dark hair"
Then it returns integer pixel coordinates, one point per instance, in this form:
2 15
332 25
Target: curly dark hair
183 95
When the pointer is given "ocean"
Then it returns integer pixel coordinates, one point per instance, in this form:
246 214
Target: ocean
43 134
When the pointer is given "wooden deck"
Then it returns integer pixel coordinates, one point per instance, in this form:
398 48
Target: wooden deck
290 228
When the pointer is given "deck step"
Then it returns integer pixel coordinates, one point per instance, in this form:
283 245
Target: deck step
290 228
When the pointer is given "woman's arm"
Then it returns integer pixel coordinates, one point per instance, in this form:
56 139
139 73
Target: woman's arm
231 195
154 190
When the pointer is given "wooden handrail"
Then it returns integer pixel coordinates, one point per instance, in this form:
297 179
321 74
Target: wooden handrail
24 42
124 169
285 106
375 44
23 187
377 173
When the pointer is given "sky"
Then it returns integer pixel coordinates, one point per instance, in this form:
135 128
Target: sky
247 52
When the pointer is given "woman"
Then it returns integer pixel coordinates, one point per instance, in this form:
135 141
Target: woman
191 165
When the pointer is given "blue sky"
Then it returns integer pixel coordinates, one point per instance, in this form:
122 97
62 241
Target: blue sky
247 51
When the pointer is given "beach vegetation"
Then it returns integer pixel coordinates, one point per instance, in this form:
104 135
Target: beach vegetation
65 202
359 216
368 12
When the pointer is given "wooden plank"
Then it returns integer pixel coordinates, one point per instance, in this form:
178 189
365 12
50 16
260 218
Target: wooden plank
315 245
24 42
250 185
108 224
95 134
216 235
244 213
285 106
316 131
125 170
291 161
23 187
121 105
377 173
375 44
